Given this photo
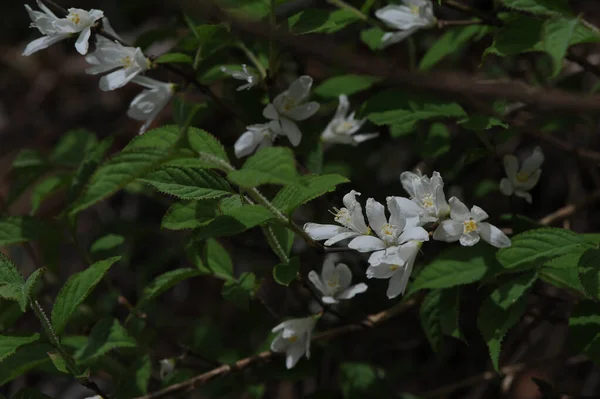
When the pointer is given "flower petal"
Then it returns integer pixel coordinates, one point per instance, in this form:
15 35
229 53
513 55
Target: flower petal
304 111
279 344
458 210
511 166
340 237
245 145
293 354
320 232
343 107
359 138
329 300
344 276
525 195
314 278
407 179
397 218
397 284
469 239
531 181
397 16
506 187
291 130
82 43
449 231
478 214
270 112
533 162
366 244
299 89
413 234
376 215
494 235
390 38
382 271
42 43
351 291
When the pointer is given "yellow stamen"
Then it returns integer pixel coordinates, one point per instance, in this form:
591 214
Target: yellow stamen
415 9
470 225
388 230
293 338
393 268
75 18
127 62
522 177
427 201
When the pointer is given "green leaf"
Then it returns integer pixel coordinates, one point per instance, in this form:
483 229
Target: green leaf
373 38
535 247
521 33
134 381
188 183
436 143
117 172
30 393
271 165
26 358
12 284
86 169
46 188
218 260
207 145
106 335
589 272
285 273
211 38
308 188
174 58
28 158
166 281
77 288
18 229
233 220
417 112
556 37
502 310
240 292
429 313
280 239
313 20
31 282
450 42
107 246
539 7
456 266
59 362
189 215
73 146
345 84
163 138
450 312
359 379
10 343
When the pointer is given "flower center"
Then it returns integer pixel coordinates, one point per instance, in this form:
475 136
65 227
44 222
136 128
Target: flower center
333 282
427 201
393 268
293 338
75 18
127 62
469 226
416 10
388 230
522 177
344 127
289 104
342 216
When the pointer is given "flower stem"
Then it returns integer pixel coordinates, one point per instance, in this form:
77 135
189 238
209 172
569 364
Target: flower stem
252 57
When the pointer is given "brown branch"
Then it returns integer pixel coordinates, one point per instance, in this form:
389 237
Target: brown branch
441 24
570 209
371 321
323 48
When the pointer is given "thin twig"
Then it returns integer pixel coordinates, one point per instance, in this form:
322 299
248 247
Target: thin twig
266 356
570 209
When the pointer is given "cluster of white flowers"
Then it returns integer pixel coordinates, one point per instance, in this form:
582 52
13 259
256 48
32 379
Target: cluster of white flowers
125 64
407 18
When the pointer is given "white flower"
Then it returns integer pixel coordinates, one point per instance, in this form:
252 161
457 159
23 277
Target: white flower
342 127
395 263
294 339
350 217
466 227
291 106
407 18
256 137
147 105
109 55
166 367
55 29
390 233
521 181
242 75
428 194
334 283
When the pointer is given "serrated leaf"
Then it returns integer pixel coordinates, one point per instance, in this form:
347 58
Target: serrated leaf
270 165
18 229
174 58
314 20
240 292
502 310
76 290
106 335
86 169
165 281
72 147
535 247
10 343
417 112
28 158
59 362
117 172
310 187
457 266
31 282
589 272
280 239
189 215
234 221
12 284
218 260
563 272
188 183
164 138
26 358
285 273
450 42
47 188
556 37
107 246
429 313
345 84
539 7
205 143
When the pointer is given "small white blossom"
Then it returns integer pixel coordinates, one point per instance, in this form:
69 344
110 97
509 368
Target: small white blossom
109 55
350 217
55 29
467 227
147 105
334 282
94 397
291 106
428 194
519 182
294 339
242 75
343 127
256 137
407 18
398 230
166 367
396 264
